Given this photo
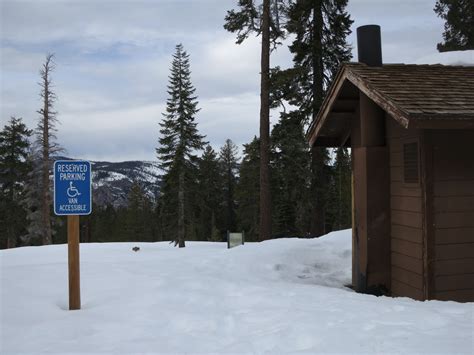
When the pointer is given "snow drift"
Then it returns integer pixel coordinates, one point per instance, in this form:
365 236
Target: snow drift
465 58
278 296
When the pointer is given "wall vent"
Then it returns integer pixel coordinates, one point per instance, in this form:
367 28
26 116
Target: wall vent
410 163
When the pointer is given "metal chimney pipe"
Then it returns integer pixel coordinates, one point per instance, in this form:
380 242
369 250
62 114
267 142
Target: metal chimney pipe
369 45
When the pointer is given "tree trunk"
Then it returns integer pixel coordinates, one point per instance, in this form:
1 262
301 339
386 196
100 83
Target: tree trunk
11 237
265 197
317 153
181 243
11 214
317 54
46 196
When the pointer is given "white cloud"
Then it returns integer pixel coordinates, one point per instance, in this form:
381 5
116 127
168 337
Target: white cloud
134 133
113 59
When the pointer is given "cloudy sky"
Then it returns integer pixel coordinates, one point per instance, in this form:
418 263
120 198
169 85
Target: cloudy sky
113 60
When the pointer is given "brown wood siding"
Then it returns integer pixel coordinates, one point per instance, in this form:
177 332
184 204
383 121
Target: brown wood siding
454 235
459 188
454 282
404 290
409 234
412 279
455 266
406 219
406 248
458 295
397 188
453 170
454 219
453 203
408 263
454 251
406 203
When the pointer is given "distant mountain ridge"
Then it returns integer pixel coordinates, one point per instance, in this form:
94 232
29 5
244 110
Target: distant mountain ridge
112 181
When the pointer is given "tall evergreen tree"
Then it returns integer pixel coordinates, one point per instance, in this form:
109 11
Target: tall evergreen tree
104 230
33 191
340 192
249 20
210 196
229 169
178 144
247 191
139 223
320 28
265 231
258 19
458 29
291 176
46 142
14 168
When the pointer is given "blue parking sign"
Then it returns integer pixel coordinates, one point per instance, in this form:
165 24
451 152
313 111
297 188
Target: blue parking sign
72 187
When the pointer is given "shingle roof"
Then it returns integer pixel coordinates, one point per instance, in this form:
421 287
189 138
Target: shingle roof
414 95
422 91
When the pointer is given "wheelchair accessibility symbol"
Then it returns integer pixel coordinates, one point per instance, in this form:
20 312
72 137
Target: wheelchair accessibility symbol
72 191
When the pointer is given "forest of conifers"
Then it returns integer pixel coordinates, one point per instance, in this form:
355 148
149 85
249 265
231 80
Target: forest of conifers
274 186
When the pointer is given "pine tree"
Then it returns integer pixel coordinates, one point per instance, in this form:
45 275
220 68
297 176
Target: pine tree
179 142
249 19
340 193
229 169
320 28
33 190
262 20
104 230
291 177
149 220
247 191
135 227
318 192
210 195
14 168
458 29
88 225
216 235
119 227
265 230
46 142
139 215
159 220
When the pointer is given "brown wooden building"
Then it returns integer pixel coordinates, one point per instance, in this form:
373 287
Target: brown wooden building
411 130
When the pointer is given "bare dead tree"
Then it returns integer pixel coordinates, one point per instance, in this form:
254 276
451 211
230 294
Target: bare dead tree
46 141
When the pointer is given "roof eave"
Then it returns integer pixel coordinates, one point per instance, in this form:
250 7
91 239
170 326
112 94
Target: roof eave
384 102
327 105
346 74
442 121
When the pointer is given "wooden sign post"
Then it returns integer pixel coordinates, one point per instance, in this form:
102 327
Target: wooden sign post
73 198
73 261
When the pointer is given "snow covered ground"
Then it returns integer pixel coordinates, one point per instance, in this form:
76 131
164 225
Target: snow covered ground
279 296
